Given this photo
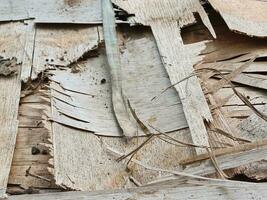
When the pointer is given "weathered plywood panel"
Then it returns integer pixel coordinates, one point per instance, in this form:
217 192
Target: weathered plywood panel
52 11
238 16
12 39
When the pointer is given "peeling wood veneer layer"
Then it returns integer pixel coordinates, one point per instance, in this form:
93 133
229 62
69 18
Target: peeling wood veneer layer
166 18
83 100
246 16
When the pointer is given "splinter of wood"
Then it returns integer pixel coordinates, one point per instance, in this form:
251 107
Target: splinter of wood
113 56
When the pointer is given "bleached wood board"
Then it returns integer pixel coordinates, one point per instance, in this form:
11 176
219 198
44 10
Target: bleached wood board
195 191
52 11
84 103
166 18
238 16
62 45
13 39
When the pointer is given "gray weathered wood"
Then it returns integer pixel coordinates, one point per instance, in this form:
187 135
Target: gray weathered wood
52 11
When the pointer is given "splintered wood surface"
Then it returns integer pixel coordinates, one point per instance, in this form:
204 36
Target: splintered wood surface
13 38
197 99
52 11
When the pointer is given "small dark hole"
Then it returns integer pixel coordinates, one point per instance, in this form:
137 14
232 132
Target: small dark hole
103 81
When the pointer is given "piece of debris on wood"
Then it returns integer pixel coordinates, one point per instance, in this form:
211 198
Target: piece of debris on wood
8 67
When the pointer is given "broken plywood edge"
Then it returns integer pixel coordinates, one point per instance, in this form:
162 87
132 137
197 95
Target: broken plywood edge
13 40
238 16
166 19
61 46
73 91
195 190
76 117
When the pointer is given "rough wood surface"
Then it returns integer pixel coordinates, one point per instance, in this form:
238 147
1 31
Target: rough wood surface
13 39
52 11
166 19
238 16
195 191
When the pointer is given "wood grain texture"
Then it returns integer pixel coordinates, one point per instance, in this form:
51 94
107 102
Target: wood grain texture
238 15
33 108
52 11
194 191
166 19
13 39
